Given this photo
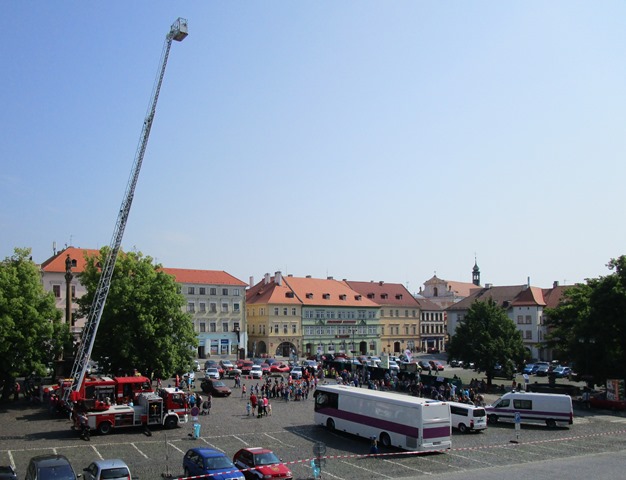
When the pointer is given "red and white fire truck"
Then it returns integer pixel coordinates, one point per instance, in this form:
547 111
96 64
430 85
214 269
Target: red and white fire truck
95 391
168 407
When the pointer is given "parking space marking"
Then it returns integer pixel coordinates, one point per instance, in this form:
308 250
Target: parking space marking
175 447
326 473
211 445
366 469
137 448
240 439
11 459
97 452
279 441
468 458
408 468
430 458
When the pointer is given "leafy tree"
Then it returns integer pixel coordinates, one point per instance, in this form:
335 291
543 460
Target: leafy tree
487 336
588 327
31 332
143 325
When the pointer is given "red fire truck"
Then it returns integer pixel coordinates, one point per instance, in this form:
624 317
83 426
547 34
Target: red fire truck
167 407
97 390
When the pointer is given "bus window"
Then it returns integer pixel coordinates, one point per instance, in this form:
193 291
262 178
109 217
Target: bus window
326 400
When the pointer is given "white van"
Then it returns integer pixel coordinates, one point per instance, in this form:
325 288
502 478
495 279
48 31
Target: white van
532 407
466 417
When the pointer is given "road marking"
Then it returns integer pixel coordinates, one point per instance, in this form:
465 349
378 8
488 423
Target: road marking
174 447
137 448
240 439
354 465
468 458
11 460
211 445
408 468
97 452
279 441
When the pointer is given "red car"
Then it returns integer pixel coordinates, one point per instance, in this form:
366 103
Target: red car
259 463
279 368
599 401
265 368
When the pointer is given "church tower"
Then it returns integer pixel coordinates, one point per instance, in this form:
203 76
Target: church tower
476 274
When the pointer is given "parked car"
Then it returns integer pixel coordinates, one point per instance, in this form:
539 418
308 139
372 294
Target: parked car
562 372
296 371
208 461
309 364
528 368
217 388
260 463
432 350
279 367
599 400
226 365
212 372
246 366
266 368
424 364
435 365
394 366
50 467
455 363
214 364
7 473
107 470
233 372
542 370
256 371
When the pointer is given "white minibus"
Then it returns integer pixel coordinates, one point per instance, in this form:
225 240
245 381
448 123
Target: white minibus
551 408
467 417
394 419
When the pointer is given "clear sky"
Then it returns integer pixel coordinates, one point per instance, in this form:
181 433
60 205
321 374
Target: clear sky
367 140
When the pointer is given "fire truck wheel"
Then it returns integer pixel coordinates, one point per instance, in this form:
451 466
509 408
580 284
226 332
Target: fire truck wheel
104 428
170 422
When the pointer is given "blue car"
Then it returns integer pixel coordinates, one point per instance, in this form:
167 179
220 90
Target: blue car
203 461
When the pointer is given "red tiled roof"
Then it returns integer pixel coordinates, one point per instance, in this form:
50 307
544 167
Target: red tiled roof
56 263
553 295
462 289
499 295
529 297
426 304
383 293
203 277
263 293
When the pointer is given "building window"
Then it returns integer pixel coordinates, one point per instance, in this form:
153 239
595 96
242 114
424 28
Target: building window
224 326
406 313
191 307
202 290
212 291
202 307
202 327
528 319
294 328
276 311
285 311
191 291
213 307
224 291
529 334
293 311
235 292
56 289
224 307
212 327
285 331
235 307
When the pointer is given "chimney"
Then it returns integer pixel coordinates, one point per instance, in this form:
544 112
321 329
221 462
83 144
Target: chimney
329 278
251 281
555 284
278 278
488 285
266 278
308 276
381 283
528 281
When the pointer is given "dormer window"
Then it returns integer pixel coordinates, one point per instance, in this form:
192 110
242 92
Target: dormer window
342 297
399 296
357 297
289 294
383 296
309 295
326 296
370 295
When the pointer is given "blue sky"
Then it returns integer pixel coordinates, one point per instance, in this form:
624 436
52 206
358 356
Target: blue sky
361 140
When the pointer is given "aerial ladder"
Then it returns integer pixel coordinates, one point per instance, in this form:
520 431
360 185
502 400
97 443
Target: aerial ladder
178 32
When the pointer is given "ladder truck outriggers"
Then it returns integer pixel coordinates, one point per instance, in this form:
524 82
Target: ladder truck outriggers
178 32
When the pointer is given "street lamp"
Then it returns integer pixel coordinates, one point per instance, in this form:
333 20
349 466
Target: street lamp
69 318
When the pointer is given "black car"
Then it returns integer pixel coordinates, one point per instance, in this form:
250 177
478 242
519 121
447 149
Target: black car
7 473
50 467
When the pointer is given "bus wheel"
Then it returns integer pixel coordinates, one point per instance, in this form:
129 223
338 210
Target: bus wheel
462 428
104 428
385 440
492 419
551 423
330 424
170 422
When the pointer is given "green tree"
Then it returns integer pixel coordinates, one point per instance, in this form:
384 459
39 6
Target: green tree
588 327
143 325
487 336
31 332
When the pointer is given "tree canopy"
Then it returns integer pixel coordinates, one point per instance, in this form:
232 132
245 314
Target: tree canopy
31 332
487 336
143 325
588 327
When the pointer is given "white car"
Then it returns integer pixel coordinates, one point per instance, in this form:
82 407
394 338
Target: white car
393 366
256 371
212 372
296 372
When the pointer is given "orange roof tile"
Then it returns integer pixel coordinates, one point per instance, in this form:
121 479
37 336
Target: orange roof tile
56 263
203 277
383 293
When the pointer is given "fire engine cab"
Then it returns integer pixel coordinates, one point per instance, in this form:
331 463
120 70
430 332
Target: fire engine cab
168 407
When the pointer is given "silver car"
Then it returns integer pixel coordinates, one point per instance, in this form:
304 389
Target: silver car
107 470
